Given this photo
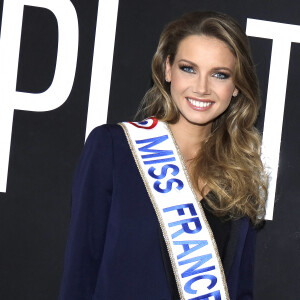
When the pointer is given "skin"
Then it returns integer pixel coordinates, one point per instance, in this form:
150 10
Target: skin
202 72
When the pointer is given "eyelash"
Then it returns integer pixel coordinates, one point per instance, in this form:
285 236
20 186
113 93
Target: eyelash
187 68
190 69
221 75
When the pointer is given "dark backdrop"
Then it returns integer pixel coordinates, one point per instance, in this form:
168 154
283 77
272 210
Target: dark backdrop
35 210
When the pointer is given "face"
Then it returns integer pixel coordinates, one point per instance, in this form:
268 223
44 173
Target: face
201 79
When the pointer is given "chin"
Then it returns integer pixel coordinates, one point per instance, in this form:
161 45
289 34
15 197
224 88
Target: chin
199 121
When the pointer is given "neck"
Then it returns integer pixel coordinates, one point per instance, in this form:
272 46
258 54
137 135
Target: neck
189 137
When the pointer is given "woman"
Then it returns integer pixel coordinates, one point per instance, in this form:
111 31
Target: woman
122 244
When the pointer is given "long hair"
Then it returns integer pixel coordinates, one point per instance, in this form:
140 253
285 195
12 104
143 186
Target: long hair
228 162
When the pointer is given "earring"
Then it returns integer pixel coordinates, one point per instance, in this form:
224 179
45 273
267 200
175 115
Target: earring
167 80
235 94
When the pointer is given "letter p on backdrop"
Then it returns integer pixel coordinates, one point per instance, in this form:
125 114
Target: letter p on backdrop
63 77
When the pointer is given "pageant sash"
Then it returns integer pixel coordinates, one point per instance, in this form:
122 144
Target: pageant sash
194 256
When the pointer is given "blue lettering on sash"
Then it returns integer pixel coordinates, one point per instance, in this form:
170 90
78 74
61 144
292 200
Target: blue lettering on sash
151 143
186 247
159 161
185 226
190 225
188 285
215 294
169 185
190 247
164 170
184 223
200 260
180 208
153 153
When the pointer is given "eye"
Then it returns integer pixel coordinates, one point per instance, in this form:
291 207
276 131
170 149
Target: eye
188 69
220 75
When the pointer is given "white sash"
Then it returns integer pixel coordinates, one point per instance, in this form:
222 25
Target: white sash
193 252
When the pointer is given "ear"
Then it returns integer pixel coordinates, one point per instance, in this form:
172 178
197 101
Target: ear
168 70
235 92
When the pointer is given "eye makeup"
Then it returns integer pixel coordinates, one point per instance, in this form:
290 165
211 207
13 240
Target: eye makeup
187 68
221 75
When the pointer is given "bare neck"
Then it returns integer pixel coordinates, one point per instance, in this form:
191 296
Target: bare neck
189 136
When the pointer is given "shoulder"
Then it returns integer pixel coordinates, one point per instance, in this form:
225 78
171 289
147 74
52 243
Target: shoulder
104 137
106 142
99 147
104 131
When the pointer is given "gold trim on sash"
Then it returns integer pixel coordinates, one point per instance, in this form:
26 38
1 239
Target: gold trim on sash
161 223
202 212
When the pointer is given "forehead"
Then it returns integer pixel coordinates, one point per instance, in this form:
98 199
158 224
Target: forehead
205 50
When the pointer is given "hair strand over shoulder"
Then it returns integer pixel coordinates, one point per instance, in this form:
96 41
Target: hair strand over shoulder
229 161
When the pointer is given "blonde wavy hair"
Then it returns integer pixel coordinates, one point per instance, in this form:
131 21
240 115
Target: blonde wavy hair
229 161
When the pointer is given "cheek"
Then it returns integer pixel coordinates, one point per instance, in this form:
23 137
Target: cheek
225 93
176 86
179 83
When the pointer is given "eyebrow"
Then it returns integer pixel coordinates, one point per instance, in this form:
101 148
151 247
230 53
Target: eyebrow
214 69
188 61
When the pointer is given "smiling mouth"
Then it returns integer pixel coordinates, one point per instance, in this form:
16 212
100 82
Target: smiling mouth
200 105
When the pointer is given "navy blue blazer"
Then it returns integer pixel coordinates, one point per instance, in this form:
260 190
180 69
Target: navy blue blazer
113 250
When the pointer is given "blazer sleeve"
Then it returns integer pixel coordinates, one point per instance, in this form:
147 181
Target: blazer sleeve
239 262
91 198
246 270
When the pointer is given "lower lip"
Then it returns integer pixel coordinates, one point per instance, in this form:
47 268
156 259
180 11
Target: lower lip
200 108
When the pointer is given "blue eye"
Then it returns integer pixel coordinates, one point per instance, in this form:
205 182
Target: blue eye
220 75
187 69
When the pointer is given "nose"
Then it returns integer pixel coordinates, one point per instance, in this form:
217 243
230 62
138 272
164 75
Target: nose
201 85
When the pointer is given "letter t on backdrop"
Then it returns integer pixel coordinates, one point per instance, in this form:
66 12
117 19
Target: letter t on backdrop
63 79
282 35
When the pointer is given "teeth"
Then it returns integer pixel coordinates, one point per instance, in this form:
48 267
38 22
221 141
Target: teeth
200 104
